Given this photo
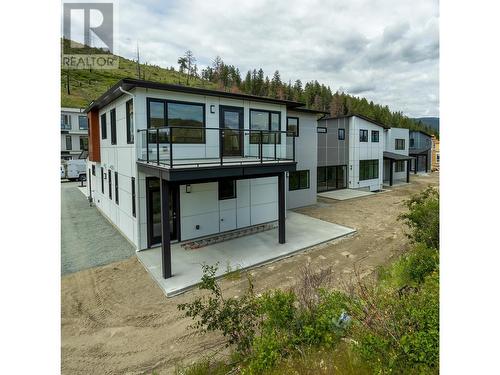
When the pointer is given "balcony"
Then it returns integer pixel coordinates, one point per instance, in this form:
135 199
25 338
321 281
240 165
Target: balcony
65 128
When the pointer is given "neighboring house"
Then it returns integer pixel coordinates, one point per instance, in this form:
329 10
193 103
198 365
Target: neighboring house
420 149
74 133
435 154
396 156
350 153
174 163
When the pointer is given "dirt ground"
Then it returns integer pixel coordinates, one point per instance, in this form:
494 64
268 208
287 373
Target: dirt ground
115 320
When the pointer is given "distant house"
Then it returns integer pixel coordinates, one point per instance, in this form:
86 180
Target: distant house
396 156
74 133
420 149
435 154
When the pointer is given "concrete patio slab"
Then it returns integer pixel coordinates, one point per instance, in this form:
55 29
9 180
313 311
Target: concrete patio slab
249 251
345 194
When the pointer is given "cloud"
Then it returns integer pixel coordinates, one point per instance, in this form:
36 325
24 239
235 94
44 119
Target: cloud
386 50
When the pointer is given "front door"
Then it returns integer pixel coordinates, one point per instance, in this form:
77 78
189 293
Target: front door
154 211
231 121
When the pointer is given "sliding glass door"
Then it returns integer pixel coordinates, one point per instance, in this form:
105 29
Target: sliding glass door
332 177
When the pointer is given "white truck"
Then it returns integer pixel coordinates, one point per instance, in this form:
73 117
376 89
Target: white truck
74 170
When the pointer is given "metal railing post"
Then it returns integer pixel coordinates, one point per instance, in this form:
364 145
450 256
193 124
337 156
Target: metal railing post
171 151
275 146
221 148
157 146
147 146
293 147
260 146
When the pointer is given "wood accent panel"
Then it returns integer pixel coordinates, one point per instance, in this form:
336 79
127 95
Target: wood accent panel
94 136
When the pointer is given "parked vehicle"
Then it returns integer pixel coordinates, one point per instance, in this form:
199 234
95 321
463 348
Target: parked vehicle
74 170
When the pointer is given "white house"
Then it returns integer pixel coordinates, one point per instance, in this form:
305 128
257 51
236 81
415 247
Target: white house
74 133
396 156
175 163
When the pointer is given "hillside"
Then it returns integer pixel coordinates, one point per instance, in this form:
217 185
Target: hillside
433 122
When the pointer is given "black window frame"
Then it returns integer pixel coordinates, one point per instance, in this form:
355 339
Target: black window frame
70 148
66 125
117 199
288 131
266 138
129 119
372 169
110 192
132 180
339 136
93 169
112 123
301 174
83 137
323 129
402 140
363 135
102 180
86 123
412 142
221 196
377 134
399 166
166 102
104 126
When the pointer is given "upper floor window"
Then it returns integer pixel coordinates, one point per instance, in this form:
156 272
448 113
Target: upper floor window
65 122
83 123
400 144
112 118
69 144
321 129
341 134
104 128
363 135
412 142
267 121
84 143
129 108
375 135
292 125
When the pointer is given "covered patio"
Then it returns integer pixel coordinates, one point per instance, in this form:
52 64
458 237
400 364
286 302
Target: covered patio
393 158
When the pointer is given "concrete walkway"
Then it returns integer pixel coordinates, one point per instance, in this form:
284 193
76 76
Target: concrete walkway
87 238
302 232
344 194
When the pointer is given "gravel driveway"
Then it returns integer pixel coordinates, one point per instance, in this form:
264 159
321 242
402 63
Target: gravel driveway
87 238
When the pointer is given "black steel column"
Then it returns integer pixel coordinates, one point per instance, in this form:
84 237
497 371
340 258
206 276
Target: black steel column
391 172
416 164
426 161
166 256
408 162
281 208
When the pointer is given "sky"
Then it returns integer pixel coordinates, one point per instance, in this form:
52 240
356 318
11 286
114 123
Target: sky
384 50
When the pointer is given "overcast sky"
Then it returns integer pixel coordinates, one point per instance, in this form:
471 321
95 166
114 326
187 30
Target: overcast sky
384 50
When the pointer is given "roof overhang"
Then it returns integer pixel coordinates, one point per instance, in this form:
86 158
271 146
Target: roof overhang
397 157
419 151
361 117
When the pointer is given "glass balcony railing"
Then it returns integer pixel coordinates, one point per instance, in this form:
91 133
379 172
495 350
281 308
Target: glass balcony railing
65 126
185 146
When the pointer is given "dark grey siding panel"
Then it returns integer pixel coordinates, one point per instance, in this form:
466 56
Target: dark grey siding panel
331 150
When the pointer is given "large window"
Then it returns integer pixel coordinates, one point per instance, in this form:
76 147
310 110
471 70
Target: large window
400 144
298 180
375 135
110 193
65 122
104 129
292 125
363 135
129 108
266 121
116 188
332 177
133 196
341 134
69 143
227 189
83 123
177 114
368 169
400 166
112 119
84 143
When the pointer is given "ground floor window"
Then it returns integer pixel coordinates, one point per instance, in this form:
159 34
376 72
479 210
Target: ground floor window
298 180
400 166
227 189
332 177
368 169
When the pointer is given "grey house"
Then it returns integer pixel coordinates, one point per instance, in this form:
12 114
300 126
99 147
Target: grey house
420 149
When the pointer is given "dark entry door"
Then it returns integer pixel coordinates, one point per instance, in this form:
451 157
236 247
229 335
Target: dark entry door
231 120
154 211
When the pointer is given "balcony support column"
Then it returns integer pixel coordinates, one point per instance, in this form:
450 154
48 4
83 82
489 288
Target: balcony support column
166 254
281 208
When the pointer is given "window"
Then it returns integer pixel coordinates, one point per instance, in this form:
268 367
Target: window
400 144
84 143
368 169
363 135
266 121
112 116
298 180
321 129
116 188
133 196
69 144
292 125
83 123
341 134
129 108
93 170
65 122
178 114
332 177
227 189
110 193
412 142
104 132
375 135
102 180
400 166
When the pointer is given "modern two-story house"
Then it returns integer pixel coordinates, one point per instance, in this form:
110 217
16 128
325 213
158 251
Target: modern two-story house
174 163
396 156
74 133
350 153
420 149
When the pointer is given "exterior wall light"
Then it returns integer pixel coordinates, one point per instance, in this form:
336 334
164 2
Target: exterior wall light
212 108
188 188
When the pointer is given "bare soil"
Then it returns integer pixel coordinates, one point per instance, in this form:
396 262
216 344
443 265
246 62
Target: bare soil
115 320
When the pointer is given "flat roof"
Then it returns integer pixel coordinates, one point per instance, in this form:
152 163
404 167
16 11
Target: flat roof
360 116
130 83
421 131
394 156
307 110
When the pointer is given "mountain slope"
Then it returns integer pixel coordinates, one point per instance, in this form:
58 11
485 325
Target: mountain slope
433 122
